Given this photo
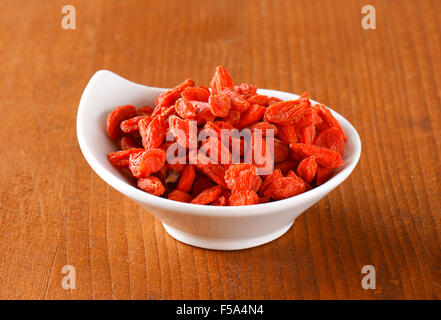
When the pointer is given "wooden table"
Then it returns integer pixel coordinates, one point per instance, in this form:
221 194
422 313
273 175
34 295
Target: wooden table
56 211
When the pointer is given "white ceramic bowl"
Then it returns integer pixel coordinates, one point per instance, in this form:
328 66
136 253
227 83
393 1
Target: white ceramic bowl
212 227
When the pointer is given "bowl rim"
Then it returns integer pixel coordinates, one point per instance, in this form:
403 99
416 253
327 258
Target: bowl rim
206 210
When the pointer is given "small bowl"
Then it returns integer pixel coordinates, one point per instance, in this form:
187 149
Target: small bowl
211 227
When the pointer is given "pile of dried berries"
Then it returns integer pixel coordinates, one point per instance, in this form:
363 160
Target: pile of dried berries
309 143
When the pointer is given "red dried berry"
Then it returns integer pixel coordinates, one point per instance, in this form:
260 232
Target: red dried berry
287 133
203 112
220 105
118 115
259 99
169 98
121 158
324 157
215 172
152 132
201 183
221 201
280 151
246 89
307 169
182 129
244 198
131 124
242 177
306 134
185 109
221 79
187 178
144 111
197 94
180 196
128 142
208 195
252 115
273 100
322 175
276 174
329 119
151 185
283 188
331 139
286 166
238 102
287 111
143 164
265 127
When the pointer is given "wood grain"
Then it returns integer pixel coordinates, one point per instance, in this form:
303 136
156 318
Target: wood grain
55 211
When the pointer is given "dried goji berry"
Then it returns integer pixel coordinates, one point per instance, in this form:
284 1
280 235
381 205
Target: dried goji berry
242 177
118 115
187 178
283 188
252 115
152 132
273 100
233 117
324 157
287 133
208 195
180 196
169 97
306 134
197 94
280 151
151 185
182 131
214 171
121 158
203 112
287 111
259 99
265 127
276 174
246 89
221 201
185 109
322 175
306 185
143 164
221 79
144 111
329 119
309 118
286 166
244 198
238 102
220 105
128 142
201 183
307 169
131 124
331 139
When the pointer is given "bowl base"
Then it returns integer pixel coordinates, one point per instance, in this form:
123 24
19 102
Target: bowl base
225 244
